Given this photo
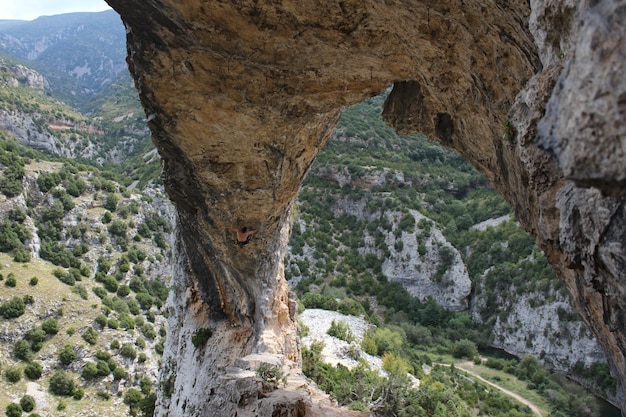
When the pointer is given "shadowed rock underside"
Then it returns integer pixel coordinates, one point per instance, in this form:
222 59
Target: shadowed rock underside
241 95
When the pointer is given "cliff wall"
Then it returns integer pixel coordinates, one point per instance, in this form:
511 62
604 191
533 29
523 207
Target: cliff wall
241 95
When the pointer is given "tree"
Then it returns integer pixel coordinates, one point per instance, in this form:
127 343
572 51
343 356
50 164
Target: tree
464 349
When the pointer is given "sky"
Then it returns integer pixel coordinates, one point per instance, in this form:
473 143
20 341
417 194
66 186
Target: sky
32 9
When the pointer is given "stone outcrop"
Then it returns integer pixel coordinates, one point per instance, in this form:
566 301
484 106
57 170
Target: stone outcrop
241 95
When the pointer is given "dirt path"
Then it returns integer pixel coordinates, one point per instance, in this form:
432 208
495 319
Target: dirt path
465 367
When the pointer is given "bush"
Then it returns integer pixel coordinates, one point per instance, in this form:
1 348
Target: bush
22 350
90 371
119 373
123 290
50 326
13 374
28 403
100 292
13 308
128 351
21 255
61 384
111 202
13 410
91 336
10 281
34 281
118 228
201 336
78 394
33 371
132 398
340 330
464 349
67 355
271 374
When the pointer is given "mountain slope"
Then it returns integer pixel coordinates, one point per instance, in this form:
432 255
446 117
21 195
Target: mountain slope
81 53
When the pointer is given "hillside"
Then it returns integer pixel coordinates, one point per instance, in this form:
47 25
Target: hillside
390 227
85 270
81 53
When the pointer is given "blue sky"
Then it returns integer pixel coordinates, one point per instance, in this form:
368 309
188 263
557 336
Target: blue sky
32 9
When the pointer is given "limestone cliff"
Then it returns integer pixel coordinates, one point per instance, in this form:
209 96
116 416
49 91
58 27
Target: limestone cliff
241 95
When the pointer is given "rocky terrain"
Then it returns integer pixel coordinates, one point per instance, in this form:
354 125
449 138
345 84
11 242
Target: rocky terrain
240 98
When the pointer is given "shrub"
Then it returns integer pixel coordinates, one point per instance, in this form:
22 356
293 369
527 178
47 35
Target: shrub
13 410
126 322
78 394
21 255
118 228
33 371
340 330
67 355
34 281
90 371
464 349
91 336
201 336
140 343
100 292
22 350
119 373
28 299
123 290
115 344
10 281
270 373
111 202
128 351
13 374
28 403
61 384
81 291
132 398
13 308
110 284
395 365
50 326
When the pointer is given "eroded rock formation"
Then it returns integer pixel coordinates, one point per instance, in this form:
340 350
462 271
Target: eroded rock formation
240 96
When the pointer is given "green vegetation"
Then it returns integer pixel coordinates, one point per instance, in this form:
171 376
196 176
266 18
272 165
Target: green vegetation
201 336
338 252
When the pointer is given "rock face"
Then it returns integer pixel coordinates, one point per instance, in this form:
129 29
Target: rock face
241 95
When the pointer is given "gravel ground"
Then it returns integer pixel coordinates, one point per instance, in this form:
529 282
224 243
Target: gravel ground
482 226
336 350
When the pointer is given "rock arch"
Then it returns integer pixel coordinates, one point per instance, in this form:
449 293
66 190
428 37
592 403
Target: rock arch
241 95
